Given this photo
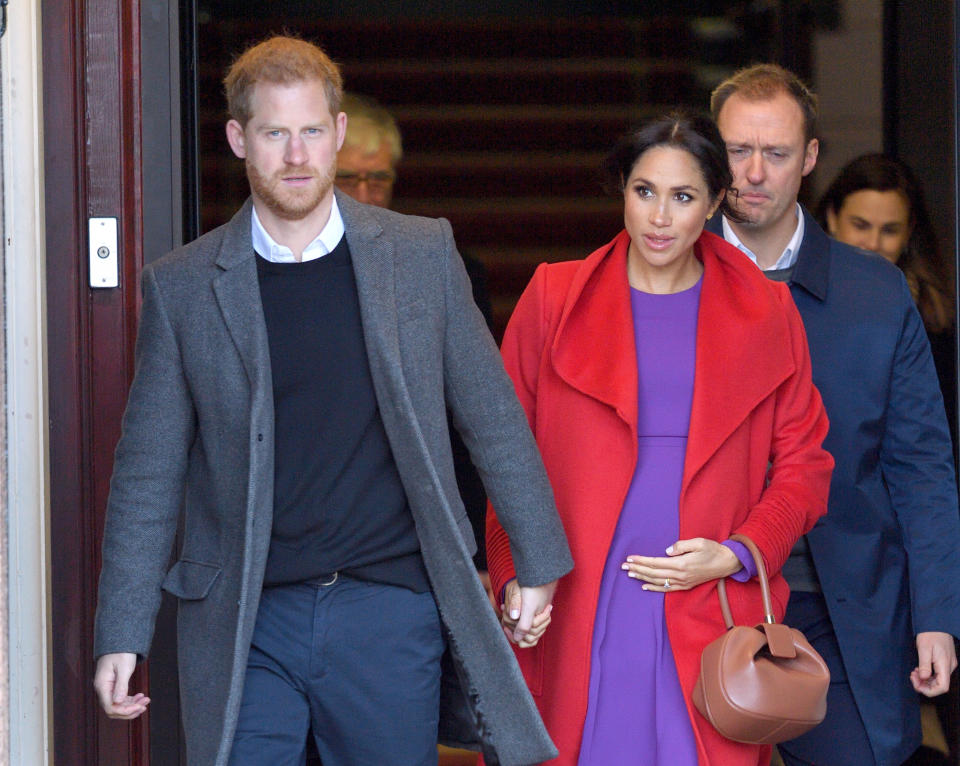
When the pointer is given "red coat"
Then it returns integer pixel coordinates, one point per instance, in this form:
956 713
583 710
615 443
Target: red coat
570 350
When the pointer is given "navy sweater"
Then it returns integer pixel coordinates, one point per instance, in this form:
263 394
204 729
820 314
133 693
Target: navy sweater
339 504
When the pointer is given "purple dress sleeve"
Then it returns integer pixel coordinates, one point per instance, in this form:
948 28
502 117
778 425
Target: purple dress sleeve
749 566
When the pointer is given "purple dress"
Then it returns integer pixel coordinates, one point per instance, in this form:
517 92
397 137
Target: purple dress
636 712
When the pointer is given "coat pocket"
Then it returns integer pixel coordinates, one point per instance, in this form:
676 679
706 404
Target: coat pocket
190 580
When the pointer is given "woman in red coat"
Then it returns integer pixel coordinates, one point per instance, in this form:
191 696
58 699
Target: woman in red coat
667 382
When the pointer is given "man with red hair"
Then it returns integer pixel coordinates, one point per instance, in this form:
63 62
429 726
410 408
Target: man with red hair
294 368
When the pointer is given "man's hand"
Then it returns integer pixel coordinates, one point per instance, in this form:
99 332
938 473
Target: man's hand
112 681
525 613
937 660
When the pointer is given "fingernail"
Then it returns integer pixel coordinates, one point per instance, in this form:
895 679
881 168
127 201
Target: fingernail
646 587
624 566
515 614
669 550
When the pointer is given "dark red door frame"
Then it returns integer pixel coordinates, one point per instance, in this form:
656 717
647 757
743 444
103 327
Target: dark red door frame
92 168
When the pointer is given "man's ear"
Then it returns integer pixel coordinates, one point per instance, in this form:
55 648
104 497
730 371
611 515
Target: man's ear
810 156
236 139
341 123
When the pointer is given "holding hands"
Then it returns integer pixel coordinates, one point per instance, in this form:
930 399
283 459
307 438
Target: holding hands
525 612
688 563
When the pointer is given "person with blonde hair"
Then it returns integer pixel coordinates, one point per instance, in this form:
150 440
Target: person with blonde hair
372 147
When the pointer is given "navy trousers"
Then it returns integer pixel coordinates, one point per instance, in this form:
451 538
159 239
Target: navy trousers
841 740
359 662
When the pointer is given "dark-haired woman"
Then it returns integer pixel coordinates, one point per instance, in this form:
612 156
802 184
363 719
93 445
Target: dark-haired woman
876 203
668 384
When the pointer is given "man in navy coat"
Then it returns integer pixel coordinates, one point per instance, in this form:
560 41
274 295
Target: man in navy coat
875 583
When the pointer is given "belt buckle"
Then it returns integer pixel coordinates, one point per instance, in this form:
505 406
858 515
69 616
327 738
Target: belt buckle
331 581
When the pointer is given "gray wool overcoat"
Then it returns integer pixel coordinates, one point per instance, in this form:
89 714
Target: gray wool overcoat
197 440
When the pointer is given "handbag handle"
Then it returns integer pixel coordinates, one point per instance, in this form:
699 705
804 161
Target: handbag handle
764 585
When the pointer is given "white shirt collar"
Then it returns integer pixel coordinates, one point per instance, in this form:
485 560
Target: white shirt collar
325 242
790 252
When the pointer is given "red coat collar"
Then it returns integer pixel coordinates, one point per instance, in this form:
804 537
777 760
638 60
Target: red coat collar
743 351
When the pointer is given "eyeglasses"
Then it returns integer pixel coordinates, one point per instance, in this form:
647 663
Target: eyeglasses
380 180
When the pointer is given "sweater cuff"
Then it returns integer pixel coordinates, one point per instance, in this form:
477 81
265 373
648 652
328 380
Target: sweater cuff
749 566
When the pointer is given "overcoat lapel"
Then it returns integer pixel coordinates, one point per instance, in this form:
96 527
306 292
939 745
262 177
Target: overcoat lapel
238 295
374 264
373 267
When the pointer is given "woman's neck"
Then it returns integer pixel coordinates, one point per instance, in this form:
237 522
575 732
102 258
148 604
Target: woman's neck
673 278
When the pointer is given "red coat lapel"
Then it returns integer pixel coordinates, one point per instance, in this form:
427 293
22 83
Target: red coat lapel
741 357
740 361
593 349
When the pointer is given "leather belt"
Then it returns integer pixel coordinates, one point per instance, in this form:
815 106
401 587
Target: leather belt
324 580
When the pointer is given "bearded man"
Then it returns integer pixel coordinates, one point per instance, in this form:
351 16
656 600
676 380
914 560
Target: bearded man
294 368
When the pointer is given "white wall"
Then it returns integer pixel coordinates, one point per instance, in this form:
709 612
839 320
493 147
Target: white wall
24 582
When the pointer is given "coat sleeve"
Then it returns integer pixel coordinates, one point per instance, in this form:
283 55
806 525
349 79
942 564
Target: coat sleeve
491 422
146 489
522 349
798 479
916 459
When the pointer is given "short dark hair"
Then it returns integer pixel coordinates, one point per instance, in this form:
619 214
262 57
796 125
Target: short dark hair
762 82
928 272
694 133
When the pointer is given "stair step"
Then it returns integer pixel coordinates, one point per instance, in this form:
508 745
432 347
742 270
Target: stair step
460 174
527 258
491 37
526 81
530 81
524 222
518 128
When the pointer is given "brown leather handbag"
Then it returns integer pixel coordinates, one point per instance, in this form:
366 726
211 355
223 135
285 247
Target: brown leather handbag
764 684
